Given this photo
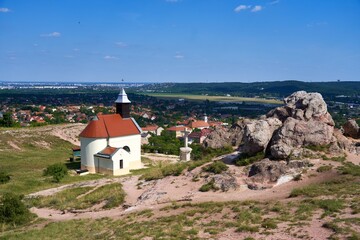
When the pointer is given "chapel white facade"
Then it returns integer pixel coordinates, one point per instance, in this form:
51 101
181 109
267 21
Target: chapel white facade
111 143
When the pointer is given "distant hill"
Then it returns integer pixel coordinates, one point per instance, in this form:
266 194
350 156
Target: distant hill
278 89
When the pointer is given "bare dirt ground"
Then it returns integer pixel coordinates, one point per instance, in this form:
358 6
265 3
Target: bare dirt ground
13 139
69 132
156 194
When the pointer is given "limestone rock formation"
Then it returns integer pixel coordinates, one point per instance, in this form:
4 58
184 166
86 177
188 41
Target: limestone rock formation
295 134
307 123
222 137
225 182
266 173
351 129
257 135
286 131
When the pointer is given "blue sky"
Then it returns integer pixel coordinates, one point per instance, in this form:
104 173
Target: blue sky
179 40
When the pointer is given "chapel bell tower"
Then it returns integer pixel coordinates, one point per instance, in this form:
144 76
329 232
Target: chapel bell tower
123 104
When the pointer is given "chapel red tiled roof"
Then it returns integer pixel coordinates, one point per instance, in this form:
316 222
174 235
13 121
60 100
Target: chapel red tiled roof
108 151
110 125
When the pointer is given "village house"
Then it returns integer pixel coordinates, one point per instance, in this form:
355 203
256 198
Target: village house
179 130
154 129
199 136
111 143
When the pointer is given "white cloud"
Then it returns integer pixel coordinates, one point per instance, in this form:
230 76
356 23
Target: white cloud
257 8
121 44
242 7
274 2
53 34
4 10
179 56
108 57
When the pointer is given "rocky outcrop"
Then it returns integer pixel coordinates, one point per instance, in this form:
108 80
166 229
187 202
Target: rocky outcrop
257 135
286 131
222 137
307 123
225 182
266 173
295 134
351 129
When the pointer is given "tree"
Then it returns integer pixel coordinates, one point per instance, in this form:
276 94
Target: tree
13 210
58 171
7 120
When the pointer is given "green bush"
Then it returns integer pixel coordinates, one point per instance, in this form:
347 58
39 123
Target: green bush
208 186
350 168
216 167
319 148
173 169
324 168
152 174
58 171
245 159
4 177
13 210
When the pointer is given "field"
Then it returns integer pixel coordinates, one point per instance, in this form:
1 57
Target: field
194 97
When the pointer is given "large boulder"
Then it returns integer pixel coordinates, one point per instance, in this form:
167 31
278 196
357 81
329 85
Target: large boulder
222 137
257 135
306 122
351 129
295 134
266 173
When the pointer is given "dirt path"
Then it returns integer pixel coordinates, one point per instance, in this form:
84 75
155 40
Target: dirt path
159 193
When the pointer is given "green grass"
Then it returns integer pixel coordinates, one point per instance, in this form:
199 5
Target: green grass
111 195
245 159
324 168
208 186
213 98
319 148
26 166
350 169
216 167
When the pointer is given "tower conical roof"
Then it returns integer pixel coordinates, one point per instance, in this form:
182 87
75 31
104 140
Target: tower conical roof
122 97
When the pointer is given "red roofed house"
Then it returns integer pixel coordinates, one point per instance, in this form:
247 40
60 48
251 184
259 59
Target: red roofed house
200 136
179 130
111 143
198 124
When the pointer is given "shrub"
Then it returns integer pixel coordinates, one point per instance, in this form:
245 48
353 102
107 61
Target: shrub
58 171
152 174
324 168
208 186
4 177
350 168
269 224
216 167
319 148
13 210
173 169
245 159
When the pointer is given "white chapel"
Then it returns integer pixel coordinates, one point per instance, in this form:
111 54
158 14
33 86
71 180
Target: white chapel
111 143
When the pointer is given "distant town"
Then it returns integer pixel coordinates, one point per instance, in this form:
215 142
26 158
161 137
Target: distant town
36 103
